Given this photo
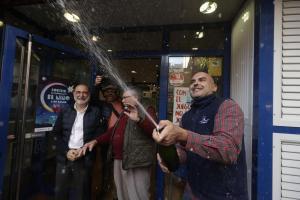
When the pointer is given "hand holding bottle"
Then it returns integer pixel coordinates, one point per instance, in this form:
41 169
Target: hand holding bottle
171 134
167 154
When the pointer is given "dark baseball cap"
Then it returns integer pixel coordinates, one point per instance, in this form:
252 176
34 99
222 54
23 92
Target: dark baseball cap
109 86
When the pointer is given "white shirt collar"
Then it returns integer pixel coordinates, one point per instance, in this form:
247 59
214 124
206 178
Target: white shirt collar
83 111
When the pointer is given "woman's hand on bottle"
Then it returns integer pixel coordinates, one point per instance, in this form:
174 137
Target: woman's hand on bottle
162 164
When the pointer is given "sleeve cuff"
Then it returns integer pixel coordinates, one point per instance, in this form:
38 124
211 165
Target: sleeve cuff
189 142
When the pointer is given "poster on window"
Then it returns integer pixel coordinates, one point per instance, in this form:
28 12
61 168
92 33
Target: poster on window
215 66
176 77
53 96
182 102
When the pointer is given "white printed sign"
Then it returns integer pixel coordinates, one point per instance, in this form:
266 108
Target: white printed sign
182 102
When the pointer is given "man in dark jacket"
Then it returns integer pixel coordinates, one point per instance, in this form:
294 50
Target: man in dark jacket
132 148
75 126
210 142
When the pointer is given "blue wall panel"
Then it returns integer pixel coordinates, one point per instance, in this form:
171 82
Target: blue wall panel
9 48
263 99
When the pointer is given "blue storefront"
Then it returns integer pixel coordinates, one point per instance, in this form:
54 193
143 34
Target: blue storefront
260 69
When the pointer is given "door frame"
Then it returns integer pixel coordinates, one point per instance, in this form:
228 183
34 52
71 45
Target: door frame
7 68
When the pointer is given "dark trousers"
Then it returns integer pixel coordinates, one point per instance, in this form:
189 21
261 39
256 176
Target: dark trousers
73 181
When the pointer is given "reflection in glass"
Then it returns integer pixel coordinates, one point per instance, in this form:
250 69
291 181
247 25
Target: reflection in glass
199 39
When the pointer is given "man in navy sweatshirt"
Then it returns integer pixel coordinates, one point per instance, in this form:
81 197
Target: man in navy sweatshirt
210 142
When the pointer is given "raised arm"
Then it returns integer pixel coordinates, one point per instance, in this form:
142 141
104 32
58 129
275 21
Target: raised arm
223 144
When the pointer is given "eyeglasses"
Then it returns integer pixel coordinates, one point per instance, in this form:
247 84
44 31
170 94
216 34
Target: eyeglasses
81 92
125 97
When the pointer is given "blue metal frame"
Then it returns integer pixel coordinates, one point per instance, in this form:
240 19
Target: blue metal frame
263 100
9 49
163 100
263 128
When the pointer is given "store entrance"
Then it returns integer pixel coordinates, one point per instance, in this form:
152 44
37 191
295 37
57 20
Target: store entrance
34 67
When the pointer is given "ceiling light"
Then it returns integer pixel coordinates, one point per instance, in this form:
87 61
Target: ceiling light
245 17
133 72
208 7
199 35
71 17
109 50
95 38
195 48
1 23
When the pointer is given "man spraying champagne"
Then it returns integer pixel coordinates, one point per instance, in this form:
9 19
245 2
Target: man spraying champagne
210 142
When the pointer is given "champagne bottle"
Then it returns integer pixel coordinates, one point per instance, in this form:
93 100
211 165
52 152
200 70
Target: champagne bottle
169 156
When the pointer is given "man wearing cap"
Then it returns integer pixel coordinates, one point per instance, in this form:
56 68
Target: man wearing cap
210 142
110 93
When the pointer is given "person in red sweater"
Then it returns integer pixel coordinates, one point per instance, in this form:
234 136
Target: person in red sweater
132 148
111 94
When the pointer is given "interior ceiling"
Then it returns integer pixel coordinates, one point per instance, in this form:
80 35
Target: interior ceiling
124 13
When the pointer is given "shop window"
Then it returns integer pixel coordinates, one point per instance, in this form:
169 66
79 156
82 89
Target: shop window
72 69
144 41
138 71
201 39
144 73
181 70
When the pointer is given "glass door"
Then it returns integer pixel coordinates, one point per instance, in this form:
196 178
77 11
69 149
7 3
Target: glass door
29 153
21 119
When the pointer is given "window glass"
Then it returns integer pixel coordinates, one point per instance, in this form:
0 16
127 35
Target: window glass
138 71
181 70
132 41
201 39
72 69
143 73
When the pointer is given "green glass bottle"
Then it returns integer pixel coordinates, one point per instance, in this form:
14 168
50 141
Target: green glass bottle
169 156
